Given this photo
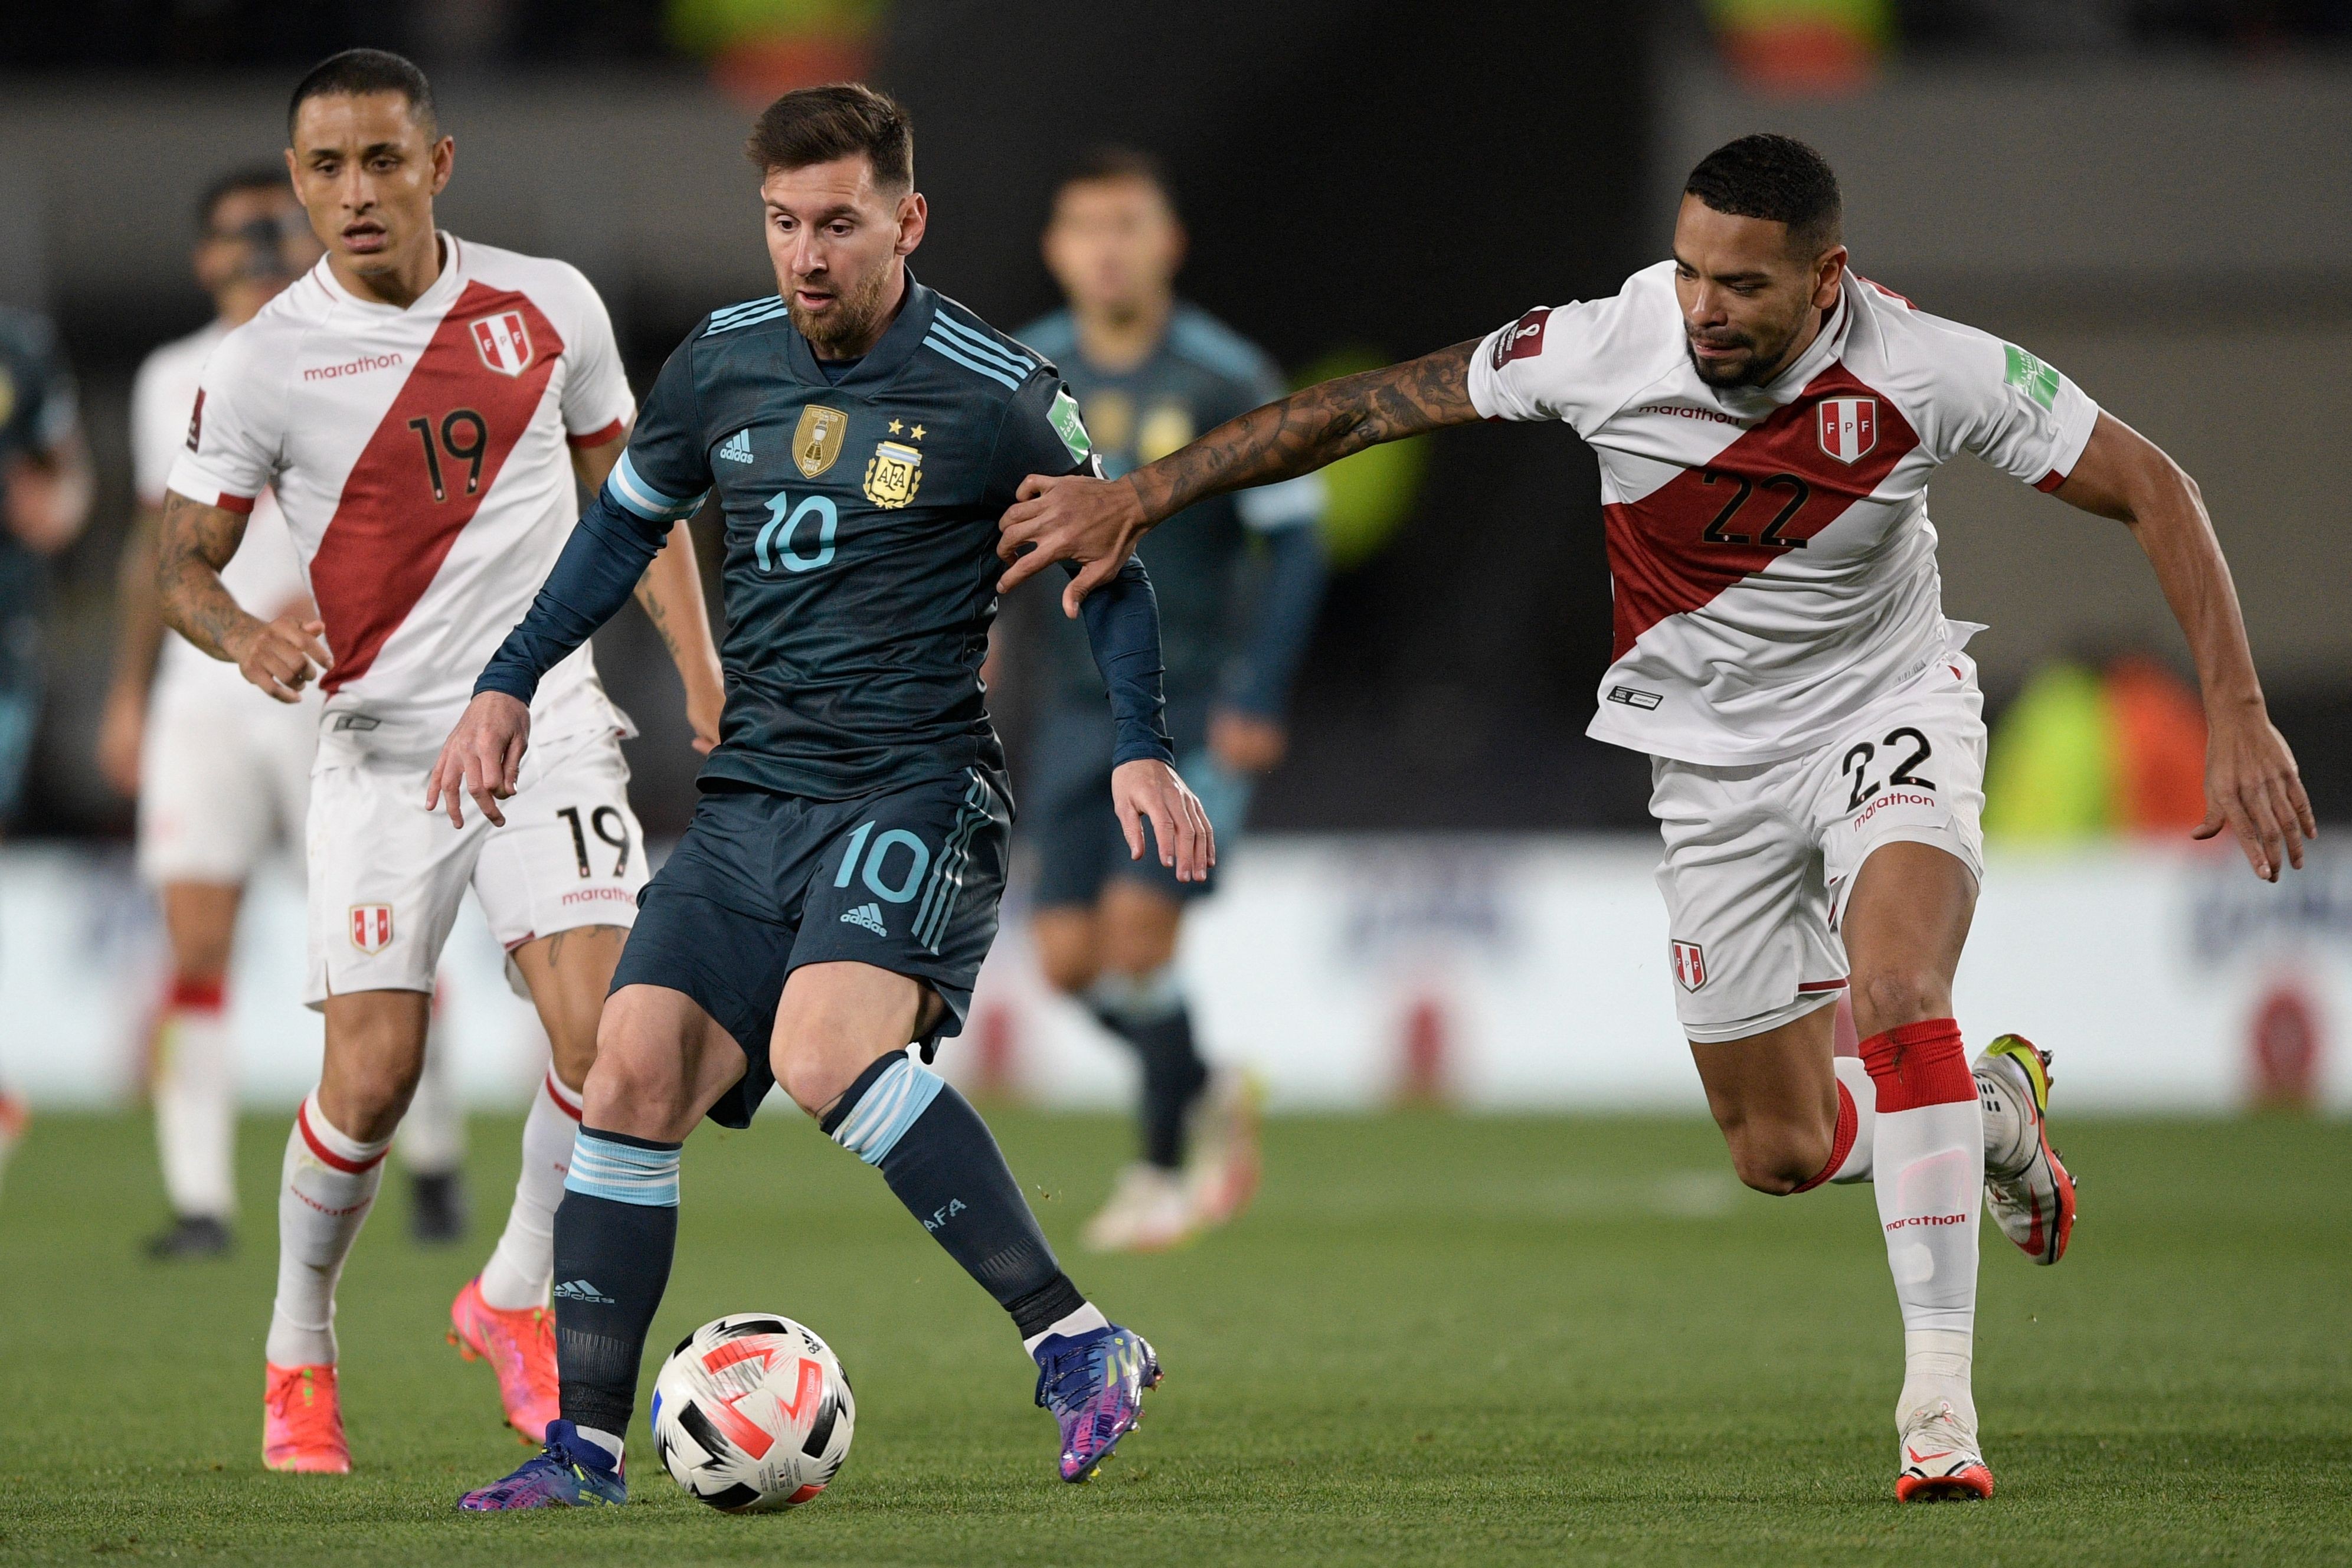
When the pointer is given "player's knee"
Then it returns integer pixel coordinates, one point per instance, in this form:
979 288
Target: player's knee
1778 1160
1068 968
1891 998
635 1090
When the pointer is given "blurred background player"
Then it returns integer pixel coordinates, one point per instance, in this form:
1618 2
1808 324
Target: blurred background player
1239 579
421 407
44 494
222 775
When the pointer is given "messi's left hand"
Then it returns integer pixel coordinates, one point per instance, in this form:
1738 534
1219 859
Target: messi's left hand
1147 790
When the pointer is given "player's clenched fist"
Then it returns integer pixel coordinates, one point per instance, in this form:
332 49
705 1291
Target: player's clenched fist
280 656
1149 790
482 758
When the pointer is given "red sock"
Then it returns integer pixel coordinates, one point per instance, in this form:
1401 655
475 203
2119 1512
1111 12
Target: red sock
1923 1063
1841 1142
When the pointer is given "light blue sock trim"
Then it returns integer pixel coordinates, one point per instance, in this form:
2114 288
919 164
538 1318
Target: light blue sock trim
625 1173
1138 999
891 1105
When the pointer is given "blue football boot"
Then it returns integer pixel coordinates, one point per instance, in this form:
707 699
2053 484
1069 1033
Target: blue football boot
1093 1383
570 1472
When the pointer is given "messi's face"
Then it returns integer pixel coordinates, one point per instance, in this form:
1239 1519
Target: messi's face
839 242
1747 299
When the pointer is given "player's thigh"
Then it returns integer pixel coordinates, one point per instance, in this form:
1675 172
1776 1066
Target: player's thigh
662 1060
1899 802
1140 921
571 856
200 919
835 1019
387 877
1774 1095
1749 946
567 976
207 811
910 883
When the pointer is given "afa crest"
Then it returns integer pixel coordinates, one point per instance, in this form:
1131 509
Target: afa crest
893 473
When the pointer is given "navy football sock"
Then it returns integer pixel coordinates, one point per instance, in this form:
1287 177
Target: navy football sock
939 1159
1149 1014
615 1233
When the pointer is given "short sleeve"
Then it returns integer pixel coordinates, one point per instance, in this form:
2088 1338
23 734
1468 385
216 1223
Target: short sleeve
230 450
2007 406
1042 433
1555 362
159 427
665 472
596 399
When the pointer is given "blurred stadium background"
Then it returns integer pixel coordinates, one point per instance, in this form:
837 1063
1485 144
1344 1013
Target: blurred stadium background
1448 894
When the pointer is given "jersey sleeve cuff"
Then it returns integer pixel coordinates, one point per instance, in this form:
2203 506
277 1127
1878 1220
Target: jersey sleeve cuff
1143 751
241 505
515 683
610 431
2069 448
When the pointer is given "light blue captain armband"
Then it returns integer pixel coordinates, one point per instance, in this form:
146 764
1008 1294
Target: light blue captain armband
624 1170
628 489
888 1107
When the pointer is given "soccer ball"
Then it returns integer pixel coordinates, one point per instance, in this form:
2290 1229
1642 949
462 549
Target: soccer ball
752 1413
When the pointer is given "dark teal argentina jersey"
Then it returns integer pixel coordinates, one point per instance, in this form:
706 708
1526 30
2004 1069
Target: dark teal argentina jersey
861 528
36 416
1202 375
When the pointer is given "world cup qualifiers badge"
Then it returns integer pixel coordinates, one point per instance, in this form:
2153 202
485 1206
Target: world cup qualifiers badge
893 473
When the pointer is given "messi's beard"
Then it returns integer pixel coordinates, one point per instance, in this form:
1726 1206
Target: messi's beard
852 325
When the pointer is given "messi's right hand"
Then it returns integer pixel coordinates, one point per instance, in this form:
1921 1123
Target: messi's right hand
281 655
482 758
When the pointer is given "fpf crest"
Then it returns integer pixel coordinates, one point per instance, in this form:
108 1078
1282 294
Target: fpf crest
503 339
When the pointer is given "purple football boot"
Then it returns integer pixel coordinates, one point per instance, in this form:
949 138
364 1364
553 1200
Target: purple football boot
1093 1383
570 1472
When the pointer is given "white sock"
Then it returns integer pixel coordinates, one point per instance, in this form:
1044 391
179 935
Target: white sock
607 1441
196 1103
323 1198
1929 1182
432 1133
1085 1319
1935 1369
1854 1079
519 1271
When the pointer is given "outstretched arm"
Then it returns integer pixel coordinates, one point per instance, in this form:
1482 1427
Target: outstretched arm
1097 522
2252 785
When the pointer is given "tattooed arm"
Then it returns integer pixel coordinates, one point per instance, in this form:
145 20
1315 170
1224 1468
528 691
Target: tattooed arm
1098 522
279 657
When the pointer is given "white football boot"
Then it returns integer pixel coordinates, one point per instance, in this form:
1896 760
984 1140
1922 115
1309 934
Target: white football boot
2027 1188
1148 1211
1939 1460
1222 1175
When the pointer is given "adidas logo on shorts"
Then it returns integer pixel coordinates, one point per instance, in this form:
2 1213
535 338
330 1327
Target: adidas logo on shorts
738 447
869 915
581 1290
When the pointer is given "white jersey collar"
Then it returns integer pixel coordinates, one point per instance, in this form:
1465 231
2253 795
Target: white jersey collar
432 301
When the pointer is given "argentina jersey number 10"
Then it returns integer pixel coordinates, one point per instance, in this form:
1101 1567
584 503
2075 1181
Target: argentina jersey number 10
785 521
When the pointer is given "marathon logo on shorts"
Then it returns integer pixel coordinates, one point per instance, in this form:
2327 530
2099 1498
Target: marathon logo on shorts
1690 964
1523 339
1849 426
371 928
504 341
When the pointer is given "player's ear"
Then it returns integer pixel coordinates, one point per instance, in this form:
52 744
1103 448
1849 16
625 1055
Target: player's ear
444 162
914 216
1829 275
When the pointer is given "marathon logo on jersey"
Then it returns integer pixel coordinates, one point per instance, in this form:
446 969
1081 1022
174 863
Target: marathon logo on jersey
504 341
371 928
1523 340
1849 426
196 421
1690 964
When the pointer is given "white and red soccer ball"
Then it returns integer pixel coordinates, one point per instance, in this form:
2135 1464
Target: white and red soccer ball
752 1413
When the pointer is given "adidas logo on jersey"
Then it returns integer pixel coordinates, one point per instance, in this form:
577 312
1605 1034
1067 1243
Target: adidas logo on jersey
738 447
581 1290
869 915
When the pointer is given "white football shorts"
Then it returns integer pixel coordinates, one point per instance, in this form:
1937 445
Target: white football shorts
386 874
1758 859
223 778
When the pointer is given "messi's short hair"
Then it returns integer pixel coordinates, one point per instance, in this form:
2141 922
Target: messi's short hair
1778 178
358 72
819 124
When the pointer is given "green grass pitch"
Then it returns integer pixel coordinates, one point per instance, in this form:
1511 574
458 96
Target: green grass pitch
1435 1340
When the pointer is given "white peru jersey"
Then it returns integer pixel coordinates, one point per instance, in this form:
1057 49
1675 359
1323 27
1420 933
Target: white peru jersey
420 458
1773 564
266 576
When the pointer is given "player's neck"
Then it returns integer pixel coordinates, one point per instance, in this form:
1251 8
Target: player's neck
1117 341
399 285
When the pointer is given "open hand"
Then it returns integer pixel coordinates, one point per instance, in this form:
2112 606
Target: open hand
2251 788
1147 790
1093 522
482 758
282 656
